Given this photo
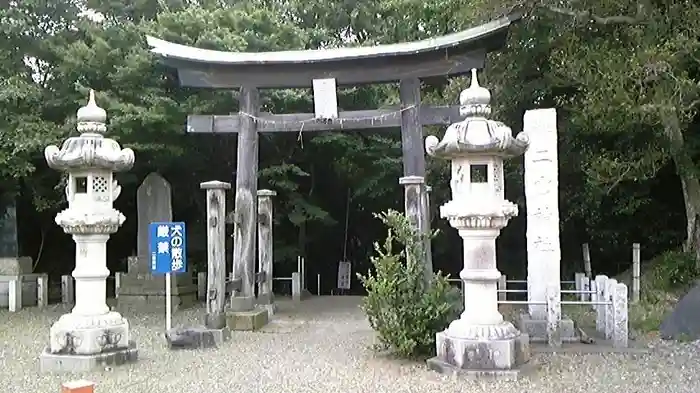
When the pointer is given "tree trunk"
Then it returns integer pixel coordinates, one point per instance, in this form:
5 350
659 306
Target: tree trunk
685 168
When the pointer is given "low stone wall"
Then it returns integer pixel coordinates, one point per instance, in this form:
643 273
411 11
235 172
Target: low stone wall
29 288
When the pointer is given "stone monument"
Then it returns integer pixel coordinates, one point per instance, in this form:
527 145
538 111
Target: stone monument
12 266
480 343
90 335
543 248
139 286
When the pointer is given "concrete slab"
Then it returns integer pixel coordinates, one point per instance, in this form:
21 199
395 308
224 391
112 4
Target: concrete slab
537 329
513 374
196 337
247 320
66 363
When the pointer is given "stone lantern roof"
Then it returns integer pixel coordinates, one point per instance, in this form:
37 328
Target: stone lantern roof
90 150
476 134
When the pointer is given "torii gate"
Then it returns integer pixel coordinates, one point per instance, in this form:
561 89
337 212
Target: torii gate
324 70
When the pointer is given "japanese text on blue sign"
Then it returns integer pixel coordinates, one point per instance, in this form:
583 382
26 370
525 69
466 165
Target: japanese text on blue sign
167 243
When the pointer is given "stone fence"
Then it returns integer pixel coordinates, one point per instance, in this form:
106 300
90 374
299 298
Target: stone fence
25 290
607 297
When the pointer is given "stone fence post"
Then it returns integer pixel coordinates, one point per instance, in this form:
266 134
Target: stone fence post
620 329
610 285
579 282
553 316
502 285
14 299
42 290
296 287
67 289
600 284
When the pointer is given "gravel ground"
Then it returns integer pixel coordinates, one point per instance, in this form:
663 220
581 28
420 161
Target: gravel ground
323 345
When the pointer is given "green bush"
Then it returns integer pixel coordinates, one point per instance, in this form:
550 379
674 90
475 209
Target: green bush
404 308
673 270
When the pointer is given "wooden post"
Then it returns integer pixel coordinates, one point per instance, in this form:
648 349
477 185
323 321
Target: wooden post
412 147
587 260
14 298
67 289
414 191
265 249
411 129
636 262
42 290
245 210
215 295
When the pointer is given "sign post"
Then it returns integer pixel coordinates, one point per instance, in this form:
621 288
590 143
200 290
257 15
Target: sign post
344 271
168 249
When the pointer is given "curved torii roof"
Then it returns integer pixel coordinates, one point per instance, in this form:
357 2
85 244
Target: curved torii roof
450 54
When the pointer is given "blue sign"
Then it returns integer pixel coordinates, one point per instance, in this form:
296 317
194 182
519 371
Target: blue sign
168 247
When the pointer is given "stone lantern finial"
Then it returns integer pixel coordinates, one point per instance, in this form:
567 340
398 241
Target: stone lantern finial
476 100
92 118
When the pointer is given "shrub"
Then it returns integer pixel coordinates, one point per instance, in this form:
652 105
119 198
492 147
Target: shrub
673 270
404 308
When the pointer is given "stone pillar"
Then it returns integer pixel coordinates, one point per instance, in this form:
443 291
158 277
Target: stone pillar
480 342
90 335
543 248
415 205
620 329
265 250
215 295
600 285
42 290
90 277
67 289
480 278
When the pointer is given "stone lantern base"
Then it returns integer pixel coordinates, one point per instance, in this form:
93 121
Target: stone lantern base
481 359
88 343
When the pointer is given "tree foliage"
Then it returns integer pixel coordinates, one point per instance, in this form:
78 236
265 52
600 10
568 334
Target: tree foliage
622 74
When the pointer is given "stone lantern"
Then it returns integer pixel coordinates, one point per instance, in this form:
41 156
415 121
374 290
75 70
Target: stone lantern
480 341
90 334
